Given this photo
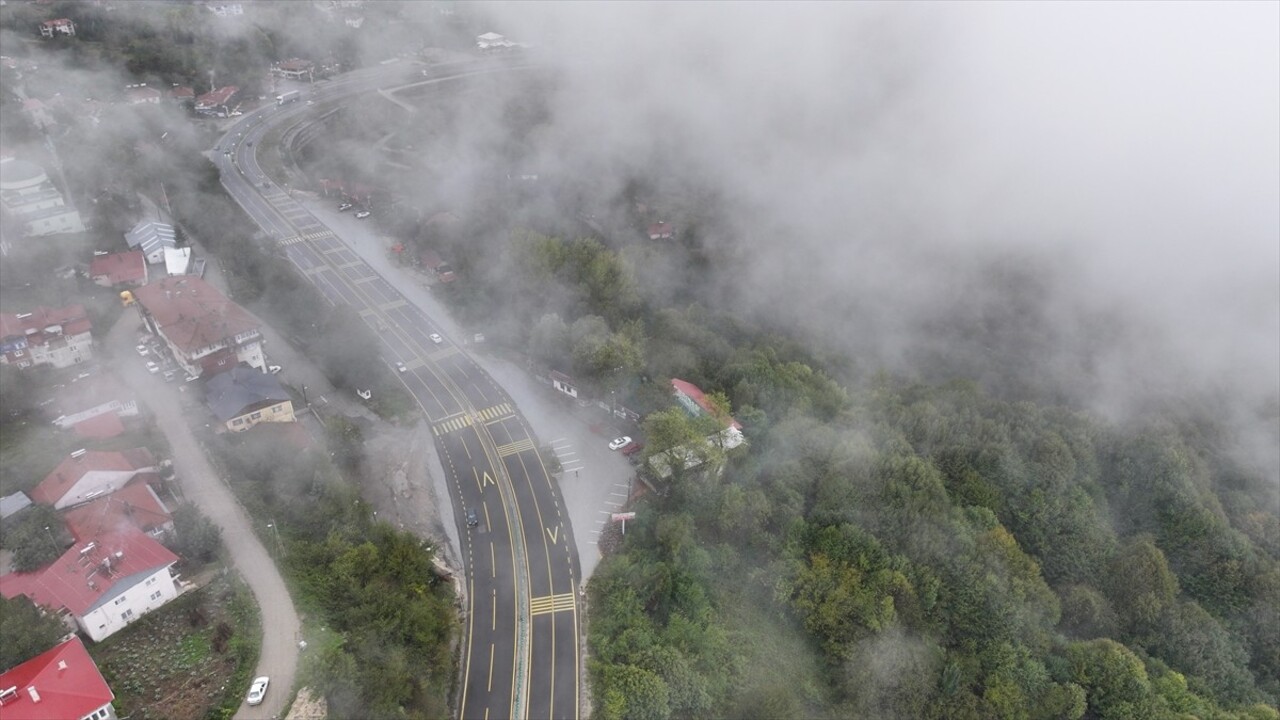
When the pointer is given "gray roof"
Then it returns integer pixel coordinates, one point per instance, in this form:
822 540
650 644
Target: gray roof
10 504
150 235
238 390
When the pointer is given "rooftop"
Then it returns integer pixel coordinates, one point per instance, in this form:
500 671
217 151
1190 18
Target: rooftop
71 319
135 505
62 682
694 393
193 314
236 391
57 483
118 268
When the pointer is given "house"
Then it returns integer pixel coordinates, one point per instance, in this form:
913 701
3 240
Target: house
182 94
661 231
204 331
61 26
126 269
695 403
30 198
142 95
178 261
85 404
295 69
13 504
152 238
103 584
492 41
135 505
243 397
564 384
59 337
220 102
88 474
434 264
62 682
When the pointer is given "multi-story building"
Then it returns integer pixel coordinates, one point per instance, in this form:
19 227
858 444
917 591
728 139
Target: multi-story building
220 102
204 331
243 397
58 684
31 200
59 337
61 26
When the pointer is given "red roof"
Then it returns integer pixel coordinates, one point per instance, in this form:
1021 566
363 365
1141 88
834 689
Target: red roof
72 319
694 393
85 576
60 22
296 65
182 93
65 679
69 471
98 427
218 97
136 505
120 268
660 229
143 94
192 314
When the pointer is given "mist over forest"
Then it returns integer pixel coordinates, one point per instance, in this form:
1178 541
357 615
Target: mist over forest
993 288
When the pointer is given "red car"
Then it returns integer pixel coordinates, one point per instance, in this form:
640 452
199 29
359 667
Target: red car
632 448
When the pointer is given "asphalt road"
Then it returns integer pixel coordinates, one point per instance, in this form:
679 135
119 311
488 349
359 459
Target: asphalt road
521 648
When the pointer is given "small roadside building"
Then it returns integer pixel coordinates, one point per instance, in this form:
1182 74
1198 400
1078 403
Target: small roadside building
126 269
243 397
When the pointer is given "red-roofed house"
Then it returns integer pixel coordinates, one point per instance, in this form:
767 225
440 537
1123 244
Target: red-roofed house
220 102
204 330
695 402
88 474
99 396
126 269
58 684
46 336
100 427
661 231
143 95
182 94
136 505
49 28
436 265
104 584
294 69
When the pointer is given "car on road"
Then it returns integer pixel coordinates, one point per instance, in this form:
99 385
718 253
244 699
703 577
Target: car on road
632 448
168 375
435 338
362 214
152 367
266 184
400 366
258 690
345 207
250 143
472 519
619 443
191 378
273 369
142 350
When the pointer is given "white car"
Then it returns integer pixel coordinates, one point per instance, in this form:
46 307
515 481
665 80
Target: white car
142 350
273 369
619 443
435 338
362 214
400 366
152 367
258 690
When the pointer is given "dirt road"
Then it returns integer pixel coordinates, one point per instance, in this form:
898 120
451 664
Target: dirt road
202 486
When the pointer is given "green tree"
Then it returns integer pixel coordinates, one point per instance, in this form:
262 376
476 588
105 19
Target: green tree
27 630
1114 680
1140 585
195 538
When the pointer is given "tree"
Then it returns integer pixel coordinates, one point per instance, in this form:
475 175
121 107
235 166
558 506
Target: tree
195 537
1140 585
1114 679
27 631
36 536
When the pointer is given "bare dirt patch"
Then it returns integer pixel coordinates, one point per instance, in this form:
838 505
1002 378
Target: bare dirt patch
398 462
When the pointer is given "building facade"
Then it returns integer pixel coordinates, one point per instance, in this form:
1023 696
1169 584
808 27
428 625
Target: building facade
205 332
31 200
60 337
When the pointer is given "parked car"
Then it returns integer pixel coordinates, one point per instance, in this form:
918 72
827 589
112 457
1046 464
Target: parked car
169 375
435 338
258 690
142 350
400 366
191 378
345 207
152 367
632 448
619 443
472 519
273 369
362 214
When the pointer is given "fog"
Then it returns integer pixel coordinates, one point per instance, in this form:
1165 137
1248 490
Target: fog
901 181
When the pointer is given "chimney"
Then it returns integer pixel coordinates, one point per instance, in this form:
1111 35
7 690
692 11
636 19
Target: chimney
62 665
35 696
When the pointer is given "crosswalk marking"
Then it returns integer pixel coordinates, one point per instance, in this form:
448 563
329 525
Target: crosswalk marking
295 239
495 412
452 424
515 447
551 603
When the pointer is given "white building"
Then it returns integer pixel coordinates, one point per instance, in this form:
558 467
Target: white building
60 337
85 475
30 199
152 238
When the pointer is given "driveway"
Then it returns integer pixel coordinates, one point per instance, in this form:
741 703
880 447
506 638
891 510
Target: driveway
202 487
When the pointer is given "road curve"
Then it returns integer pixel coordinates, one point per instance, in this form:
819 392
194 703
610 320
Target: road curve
522 620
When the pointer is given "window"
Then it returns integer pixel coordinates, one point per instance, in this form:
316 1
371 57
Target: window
151 580
119 599
155 595
238 421
17 353
126 615
255 416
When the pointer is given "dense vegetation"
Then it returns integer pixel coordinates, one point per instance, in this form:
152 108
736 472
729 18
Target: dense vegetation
392 621
905 550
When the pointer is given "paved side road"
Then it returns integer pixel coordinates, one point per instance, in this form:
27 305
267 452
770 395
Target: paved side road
201 485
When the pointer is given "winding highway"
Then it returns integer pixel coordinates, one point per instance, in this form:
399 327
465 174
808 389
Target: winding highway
521 648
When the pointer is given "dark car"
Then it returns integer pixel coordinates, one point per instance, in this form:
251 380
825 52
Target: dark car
472 520
632 448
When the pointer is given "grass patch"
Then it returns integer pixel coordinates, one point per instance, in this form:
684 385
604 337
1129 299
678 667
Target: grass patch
190 659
